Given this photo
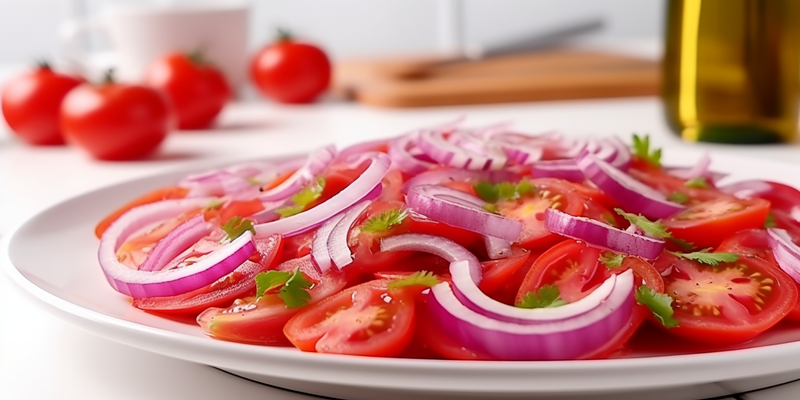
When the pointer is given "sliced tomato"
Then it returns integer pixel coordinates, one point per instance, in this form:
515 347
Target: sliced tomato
727 303
166 193
498 274
366 320
429 338
470 240
708 224
365 245
261 320
392 184
755 243
669 185
238 208
529 209
237 284
135 250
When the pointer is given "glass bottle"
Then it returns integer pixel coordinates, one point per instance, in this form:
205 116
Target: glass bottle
731 70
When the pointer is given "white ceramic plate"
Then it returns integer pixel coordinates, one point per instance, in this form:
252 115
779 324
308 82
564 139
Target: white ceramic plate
52 257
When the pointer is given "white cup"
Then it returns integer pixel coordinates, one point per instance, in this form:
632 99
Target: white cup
138 35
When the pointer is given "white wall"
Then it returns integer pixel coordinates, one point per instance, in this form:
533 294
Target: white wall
348 28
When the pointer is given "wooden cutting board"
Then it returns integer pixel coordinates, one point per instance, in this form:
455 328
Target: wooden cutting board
551 75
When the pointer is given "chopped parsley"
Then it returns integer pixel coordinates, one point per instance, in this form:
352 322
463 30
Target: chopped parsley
547 296
705 257
384 221
503 191
653 229
769 222
419 278
678 197
659 304
611 259
697 183
641 149
492 208
292 286
303 198
237 226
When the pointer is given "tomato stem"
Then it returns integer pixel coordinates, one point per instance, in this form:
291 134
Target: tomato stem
108 77
197 56
284 34
42 63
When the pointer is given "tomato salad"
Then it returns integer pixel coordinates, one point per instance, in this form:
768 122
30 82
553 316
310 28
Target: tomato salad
462 243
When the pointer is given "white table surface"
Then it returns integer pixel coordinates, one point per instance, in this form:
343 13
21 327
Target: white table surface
42 357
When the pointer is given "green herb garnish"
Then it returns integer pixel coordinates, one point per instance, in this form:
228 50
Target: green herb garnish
303 198
705 257
292 286
492 208
237 226
641 149
384 221
419 278
697 183
769 222
503 191
659 304
547 296
678 197
611 259
653 229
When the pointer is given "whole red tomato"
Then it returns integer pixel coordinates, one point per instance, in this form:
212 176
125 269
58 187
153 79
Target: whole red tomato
31 102
114 121
291 72
197 90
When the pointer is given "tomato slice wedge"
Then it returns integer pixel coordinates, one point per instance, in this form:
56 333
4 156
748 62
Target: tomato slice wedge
529 209
237 284
708 224
728 303
261 320
166 193
367 320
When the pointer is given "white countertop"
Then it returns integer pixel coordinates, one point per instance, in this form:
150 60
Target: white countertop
42 357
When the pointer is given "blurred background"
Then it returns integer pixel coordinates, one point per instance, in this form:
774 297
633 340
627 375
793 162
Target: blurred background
354 28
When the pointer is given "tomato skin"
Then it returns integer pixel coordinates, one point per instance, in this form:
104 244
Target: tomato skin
346 323
261 321
729 303
291 72
31 103
707 224
196 90
498 273
166 193
115 121
221 293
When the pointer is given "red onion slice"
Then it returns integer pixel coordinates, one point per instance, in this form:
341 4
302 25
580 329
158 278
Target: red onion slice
400 153
496 248
696 171
601 235
747 189
366 186
338 248
459 209
633 195
138 284
622 159
433 143
319 244
787 254
564 339
315 163
440 176
178 240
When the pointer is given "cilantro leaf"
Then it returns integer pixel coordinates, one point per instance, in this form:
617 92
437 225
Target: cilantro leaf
303 198
611 259
492 208
609 219
659 304
547 296
678 197
270 280
769 222
419 278
697 183
503 191
641 149
704 257
214 204
384 221
653 229
294 292
292 286
237 226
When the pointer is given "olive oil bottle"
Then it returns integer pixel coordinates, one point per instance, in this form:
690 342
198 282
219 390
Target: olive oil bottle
731 70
